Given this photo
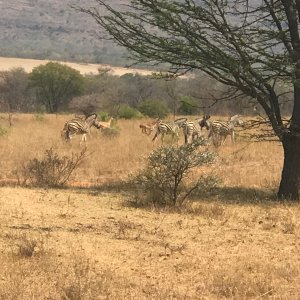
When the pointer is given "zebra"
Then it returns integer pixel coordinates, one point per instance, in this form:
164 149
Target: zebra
203 122
191 129
79 126
169 128
219 130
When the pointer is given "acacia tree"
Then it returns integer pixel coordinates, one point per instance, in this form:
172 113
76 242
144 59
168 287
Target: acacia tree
56 84
14 93
251 46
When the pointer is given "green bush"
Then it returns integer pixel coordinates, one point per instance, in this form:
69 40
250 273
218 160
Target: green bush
154 108
127 112
104 116
40 113
3 131
188 106
164 181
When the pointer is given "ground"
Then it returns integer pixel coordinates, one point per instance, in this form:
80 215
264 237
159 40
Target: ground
93 245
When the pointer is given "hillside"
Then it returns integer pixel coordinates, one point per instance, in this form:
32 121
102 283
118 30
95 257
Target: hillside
44 29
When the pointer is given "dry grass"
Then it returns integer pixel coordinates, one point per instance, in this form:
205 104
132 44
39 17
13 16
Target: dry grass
84 243
244 165
6 63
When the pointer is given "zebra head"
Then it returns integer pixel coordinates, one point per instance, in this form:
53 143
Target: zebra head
91 120
204 122
180 122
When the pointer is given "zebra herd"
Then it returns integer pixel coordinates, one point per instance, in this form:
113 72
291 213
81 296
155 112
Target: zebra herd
218 130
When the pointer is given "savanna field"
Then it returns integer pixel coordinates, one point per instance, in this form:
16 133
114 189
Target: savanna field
88 241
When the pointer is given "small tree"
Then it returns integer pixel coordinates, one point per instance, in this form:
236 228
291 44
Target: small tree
14 94
56 84
127 112
164 180
154 108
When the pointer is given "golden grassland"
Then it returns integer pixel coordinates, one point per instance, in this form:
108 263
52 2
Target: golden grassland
87 242
7 63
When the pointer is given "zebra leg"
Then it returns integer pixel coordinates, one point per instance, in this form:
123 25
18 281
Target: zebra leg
224 139
233 137
217 140
83 139
186 138
68 136
155 136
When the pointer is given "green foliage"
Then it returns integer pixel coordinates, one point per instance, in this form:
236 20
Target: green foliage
56 84
104 116
3 131
52 170
14 92
188 106
127 112
40 117
40 113
164 179
154 108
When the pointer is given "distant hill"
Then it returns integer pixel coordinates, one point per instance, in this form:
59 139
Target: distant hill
44 29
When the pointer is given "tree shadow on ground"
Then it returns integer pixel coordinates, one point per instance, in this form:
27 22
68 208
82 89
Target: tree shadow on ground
238 195
229 195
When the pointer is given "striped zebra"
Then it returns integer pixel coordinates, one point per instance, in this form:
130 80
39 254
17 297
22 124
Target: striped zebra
219 130
79 126
171 128
191 129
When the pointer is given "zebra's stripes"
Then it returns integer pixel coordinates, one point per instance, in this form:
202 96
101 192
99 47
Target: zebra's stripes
219 130
191 129
171 128
79 126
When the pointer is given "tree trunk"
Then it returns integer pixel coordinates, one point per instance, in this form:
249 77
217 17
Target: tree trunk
290 178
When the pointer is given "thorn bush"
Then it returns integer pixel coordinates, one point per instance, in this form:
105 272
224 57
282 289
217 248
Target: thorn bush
164 179
52 170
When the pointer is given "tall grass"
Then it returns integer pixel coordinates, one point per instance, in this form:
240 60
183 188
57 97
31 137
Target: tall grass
112 159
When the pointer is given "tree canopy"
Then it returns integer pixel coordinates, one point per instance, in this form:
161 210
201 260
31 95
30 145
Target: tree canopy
56 84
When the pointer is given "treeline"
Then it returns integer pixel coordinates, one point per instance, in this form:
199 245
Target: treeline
57 88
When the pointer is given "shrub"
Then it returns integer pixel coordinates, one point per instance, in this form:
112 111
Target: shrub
104 116
40 114
188 106
52 170
154 108
39 117
3 131
26 247
164 179
127 112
